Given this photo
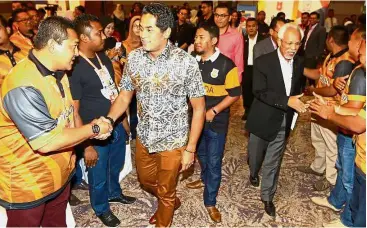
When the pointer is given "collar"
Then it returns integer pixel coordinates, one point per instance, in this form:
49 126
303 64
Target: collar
42 69
255 38
340 53
275 45
165 53
228 31
15 49
282 59
212 58
312 27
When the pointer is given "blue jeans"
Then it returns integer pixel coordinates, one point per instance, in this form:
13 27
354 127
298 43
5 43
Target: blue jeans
342 192
354 214
104 177
210 154
78 178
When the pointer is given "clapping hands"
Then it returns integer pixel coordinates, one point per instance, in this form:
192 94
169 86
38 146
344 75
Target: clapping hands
105 128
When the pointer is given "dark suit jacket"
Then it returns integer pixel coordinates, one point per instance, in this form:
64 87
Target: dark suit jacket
270 103
316 43
246 47
263 47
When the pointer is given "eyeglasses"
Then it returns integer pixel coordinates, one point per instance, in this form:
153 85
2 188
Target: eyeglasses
183 14
24 20
292 43
221 15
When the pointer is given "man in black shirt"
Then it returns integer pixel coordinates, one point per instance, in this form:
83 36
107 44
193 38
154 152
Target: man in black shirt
93 90
263 28
182 33
222 87
207 13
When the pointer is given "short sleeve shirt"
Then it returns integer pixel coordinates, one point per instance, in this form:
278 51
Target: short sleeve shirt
162 87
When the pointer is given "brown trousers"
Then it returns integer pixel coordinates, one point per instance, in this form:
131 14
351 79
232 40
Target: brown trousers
158 173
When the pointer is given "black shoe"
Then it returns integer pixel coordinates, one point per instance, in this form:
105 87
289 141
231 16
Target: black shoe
123 199
254 181
269 208
73 200
109 219
81 186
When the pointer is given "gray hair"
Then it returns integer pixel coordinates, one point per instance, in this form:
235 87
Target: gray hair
287 26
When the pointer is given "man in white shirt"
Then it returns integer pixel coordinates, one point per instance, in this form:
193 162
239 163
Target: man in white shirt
330 21
251 38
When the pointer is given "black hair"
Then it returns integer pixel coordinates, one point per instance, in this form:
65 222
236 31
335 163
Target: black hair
3 21
184 8
274 22
80 8
212 29
208 3
223 6
237 23
262 11
251 19
362 19
306 13
52 28
82 24
340 35
15 13
162 13
281 14
315 13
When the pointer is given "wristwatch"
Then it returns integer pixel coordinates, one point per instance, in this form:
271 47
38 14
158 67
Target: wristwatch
96 129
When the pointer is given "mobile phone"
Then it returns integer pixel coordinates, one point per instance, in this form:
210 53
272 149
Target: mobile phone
118 45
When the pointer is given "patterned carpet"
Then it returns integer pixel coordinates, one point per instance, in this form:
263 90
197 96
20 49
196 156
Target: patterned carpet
238 201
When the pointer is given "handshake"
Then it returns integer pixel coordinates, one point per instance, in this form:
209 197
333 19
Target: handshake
102 128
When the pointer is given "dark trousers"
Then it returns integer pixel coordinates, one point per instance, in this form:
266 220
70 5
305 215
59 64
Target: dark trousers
269 155
247 94
104 176
50 214
210 154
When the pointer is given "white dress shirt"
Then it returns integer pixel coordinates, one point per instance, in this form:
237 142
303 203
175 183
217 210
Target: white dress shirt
330 22
251 44
287 72
309 33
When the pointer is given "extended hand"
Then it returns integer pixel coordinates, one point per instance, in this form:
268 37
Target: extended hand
295 103
105 128
321 109
340 83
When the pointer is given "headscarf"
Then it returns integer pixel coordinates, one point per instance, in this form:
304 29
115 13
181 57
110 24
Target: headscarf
133 41
119 13
193 18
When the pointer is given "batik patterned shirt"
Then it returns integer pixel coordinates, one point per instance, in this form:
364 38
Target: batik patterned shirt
162 87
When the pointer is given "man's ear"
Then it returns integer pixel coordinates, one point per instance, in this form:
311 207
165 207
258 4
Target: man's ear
8 30
214 41
84 38
51 44
167 33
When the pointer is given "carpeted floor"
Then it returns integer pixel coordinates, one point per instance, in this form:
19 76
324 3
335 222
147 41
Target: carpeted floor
238 201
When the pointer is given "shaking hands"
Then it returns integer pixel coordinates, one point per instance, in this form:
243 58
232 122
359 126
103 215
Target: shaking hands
295 103
105 128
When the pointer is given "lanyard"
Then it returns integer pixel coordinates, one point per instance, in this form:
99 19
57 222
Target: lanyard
90 62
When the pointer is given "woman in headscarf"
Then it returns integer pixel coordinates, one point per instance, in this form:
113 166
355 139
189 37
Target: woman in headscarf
133 39
194 18
133 42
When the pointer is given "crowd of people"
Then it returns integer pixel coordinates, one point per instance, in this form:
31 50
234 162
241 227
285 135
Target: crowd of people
76 90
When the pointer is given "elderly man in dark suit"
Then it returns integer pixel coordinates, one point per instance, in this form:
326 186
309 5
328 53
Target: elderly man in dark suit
277 89
269 44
